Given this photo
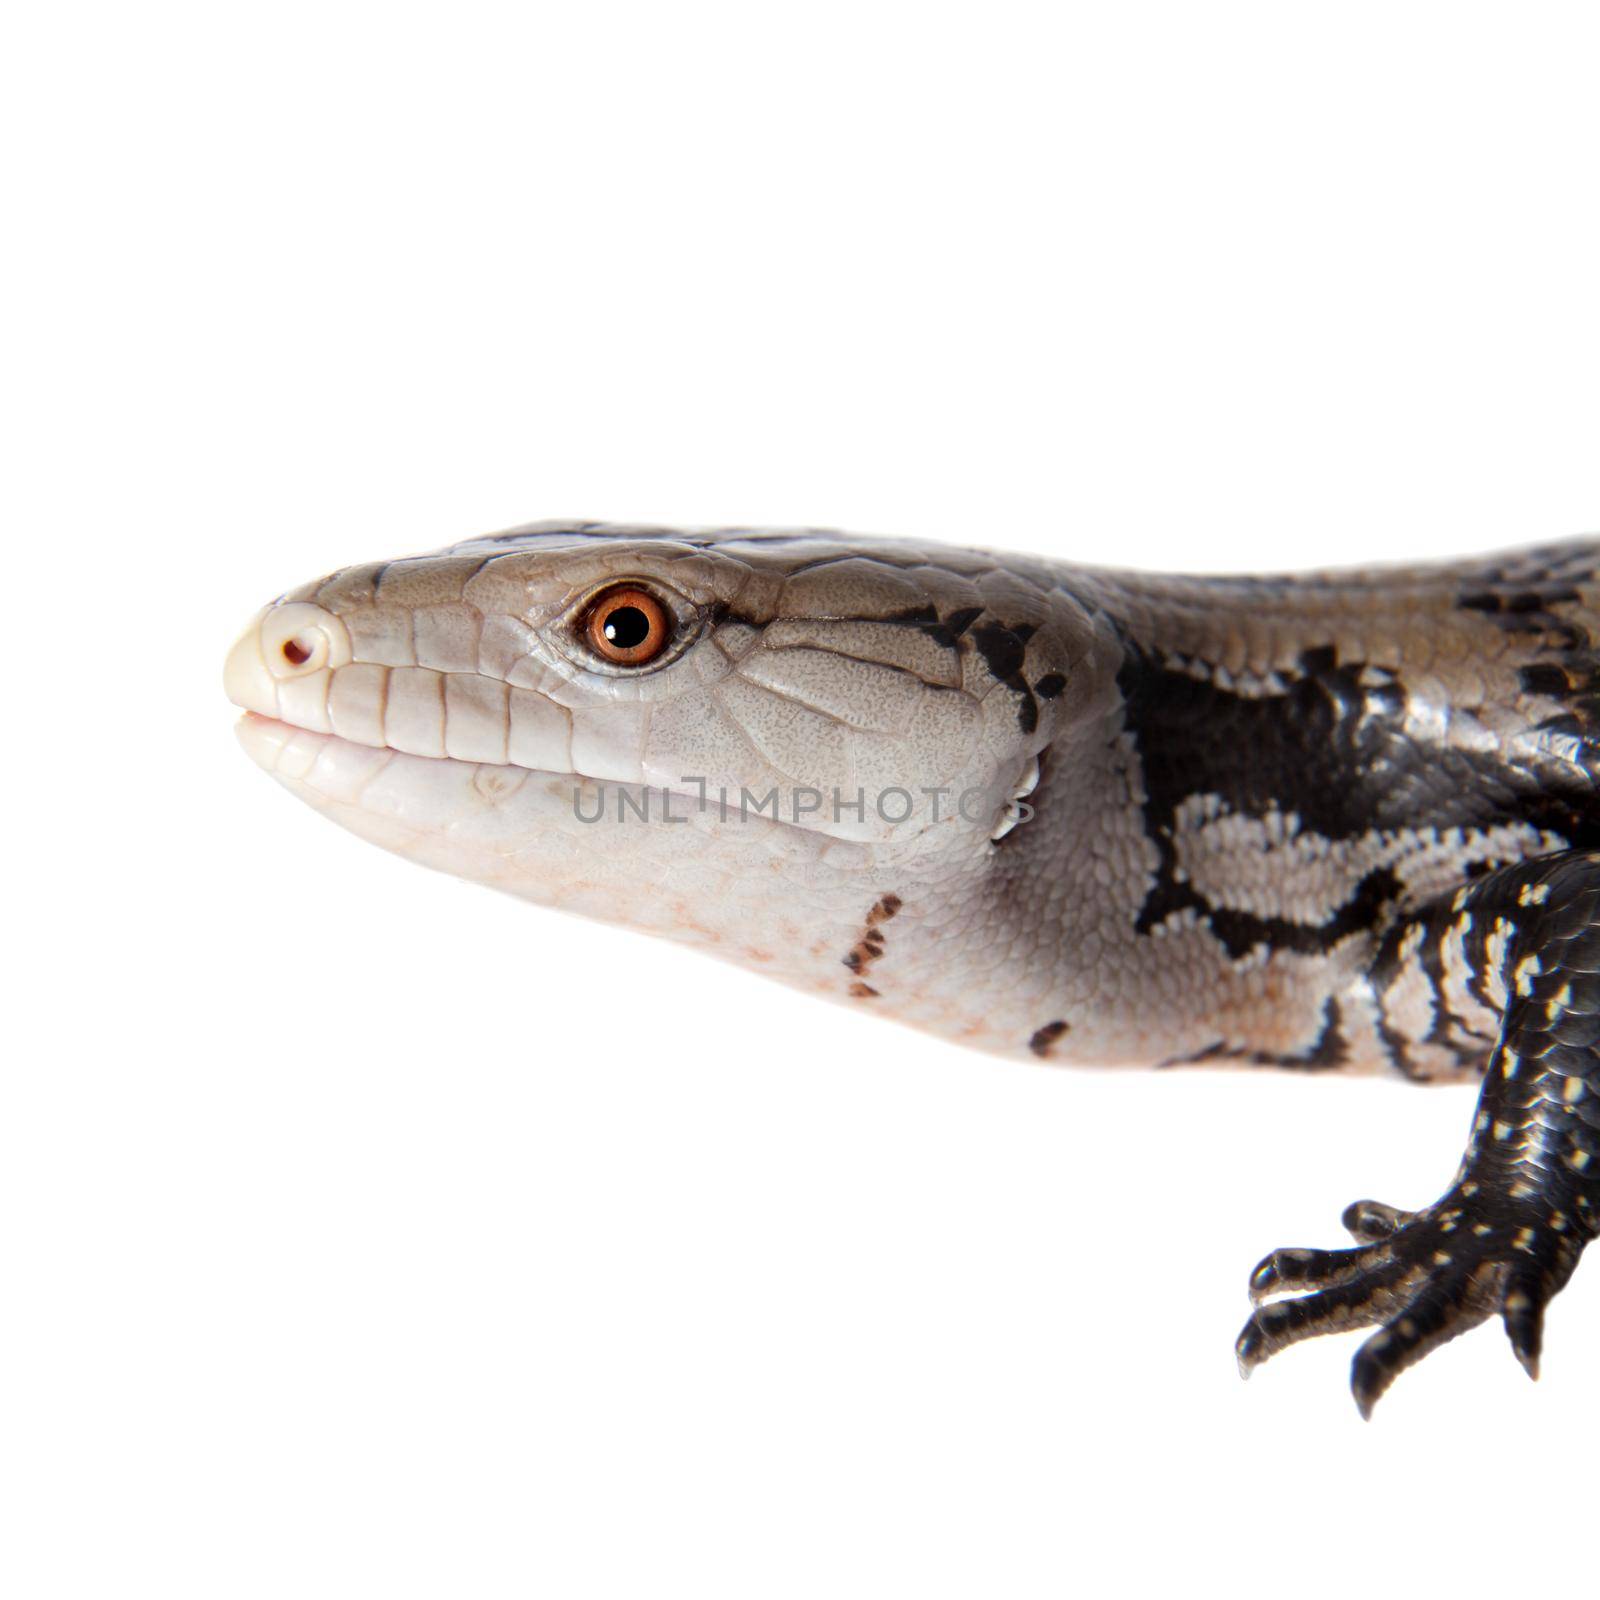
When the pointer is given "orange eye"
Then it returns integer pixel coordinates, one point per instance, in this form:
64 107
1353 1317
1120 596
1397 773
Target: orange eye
628 626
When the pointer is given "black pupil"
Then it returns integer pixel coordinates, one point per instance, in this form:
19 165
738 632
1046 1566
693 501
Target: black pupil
627 627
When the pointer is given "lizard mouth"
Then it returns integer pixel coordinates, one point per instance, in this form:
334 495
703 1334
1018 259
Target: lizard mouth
602 848
400 799
287 750
343 772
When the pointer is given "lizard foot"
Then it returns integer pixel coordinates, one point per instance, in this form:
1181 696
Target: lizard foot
1426 1276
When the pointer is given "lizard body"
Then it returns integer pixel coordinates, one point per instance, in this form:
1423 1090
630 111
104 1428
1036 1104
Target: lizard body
1340 821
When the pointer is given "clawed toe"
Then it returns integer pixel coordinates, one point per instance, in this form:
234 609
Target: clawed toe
1519 944
1290 1271
1523 1312
1361 1298
1426 1276
1433 1318
1371 1221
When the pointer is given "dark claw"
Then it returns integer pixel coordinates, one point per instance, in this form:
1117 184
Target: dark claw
1523 1311
1371 1221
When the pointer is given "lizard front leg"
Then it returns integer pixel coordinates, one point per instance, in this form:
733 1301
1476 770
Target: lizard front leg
1508 1232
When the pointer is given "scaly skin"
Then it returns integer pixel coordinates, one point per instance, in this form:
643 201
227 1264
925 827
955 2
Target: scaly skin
1329 822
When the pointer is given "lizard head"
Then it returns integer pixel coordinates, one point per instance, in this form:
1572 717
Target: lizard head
701 734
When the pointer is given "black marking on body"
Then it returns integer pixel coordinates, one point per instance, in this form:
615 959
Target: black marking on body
949 631
1538 596
1448 1030
1396 1046
946 632
1573 683
1531 579
1333 748
1446 1019
870 946
1330 1050
1532 594
1044 1038
1527 609
1003 650
1003 647
1552 679
1241 931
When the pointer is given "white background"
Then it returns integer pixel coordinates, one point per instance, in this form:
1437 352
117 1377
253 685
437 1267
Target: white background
365 1234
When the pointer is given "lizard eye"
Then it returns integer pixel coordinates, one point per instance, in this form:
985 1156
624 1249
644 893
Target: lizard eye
627 626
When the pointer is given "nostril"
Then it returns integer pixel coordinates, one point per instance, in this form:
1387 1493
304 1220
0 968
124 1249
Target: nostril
298 639
281 664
